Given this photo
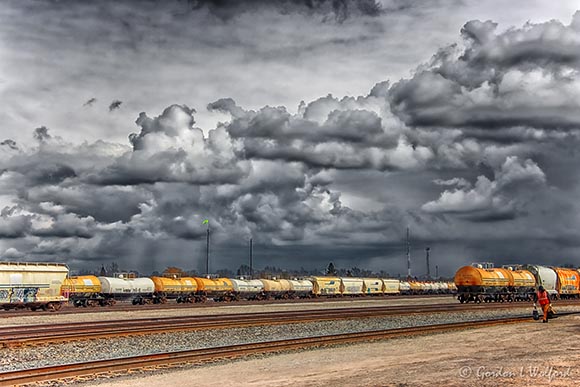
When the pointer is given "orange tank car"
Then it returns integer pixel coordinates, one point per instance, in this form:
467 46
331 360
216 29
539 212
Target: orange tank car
167 286
522 284
83 290
479 284
83 284
181 289
568 282
522 279
416 287
220 289
276 288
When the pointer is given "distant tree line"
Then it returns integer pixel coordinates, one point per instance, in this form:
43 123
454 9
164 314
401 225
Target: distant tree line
113 269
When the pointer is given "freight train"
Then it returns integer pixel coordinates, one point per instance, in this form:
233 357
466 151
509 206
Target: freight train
84 290
48 286
481 282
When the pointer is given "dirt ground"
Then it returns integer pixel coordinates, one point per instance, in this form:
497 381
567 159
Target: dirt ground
528 354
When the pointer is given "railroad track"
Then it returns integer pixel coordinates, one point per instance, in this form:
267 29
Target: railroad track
231 352
65 332
126 306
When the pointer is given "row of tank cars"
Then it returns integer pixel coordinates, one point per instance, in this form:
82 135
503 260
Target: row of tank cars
482 282
48 286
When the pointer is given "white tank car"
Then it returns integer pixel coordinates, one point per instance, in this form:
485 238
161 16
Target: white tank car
544 276
247 288
405 287
126 288
300 287
442 287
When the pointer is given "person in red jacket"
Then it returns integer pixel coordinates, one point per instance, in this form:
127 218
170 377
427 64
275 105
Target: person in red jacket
543 299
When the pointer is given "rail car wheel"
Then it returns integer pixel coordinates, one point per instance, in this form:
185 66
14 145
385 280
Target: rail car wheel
52 306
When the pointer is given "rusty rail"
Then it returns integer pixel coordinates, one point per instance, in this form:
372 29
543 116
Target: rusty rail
230 352
65 332
126 306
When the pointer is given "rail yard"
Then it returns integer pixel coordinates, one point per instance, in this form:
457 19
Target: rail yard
213 325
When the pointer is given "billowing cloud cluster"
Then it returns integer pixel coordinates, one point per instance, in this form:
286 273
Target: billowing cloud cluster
170 149
87 201
350 133
526 77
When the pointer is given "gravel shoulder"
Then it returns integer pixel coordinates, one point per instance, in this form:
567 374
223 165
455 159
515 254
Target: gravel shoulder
528 354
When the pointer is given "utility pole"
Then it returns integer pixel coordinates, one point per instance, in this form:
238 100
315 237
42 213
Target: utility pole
427 250
251 263
207 253
436 271
408 255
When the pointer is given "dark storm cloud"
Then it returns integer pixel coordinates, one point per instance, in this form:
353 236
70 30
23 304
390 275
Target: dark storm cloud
54 161
341 9
10 144
104 204
45 173
526 77
90 102
68 226
41 134
14 224
116 104
13 253
491 200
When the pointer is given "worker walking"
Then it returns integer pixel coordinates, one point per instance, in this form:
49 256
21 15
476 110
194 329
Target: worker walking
542 298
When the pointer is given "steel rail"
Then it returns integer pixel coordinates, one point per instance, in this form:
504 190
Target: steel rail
198 356
125 306
65 332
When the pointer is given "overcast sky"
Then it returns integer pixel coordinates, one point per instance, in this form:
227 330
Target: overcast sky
321 129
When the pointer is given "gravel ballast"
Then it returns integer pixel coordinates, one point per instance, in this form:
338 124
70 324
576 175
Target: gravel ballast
99 349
